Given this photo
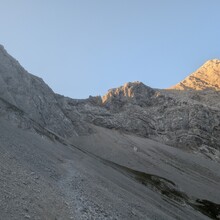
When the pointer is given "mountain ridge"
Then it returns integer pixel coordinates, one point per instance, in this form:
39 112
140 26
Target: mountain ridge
162 115
31 94
97 158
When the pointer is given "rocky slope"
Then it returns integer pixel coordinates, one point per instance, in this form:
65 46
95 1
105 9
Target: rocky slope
103 176
30 94
63 158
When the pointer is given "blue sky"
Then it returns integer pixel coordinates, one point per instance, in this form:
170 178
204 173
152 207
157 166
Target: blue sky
85 47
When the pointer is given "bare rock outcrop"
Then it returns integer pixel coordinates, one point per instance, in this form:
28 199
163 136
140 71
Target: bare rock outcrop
132 92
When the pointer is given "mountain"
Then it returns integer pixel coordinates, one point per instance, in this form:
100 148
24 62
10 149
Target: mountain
185 119
206 77
30 94
135 153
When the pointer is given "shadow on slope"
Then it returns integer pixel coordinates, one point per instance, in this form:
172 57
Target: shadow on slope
169 191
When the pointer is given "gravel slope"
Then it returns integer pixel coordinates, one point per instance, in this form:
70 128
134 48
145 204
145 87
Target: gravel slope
41 178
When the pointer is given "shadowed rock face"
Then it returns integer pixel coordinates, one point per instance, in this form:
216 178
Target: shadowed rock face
32 95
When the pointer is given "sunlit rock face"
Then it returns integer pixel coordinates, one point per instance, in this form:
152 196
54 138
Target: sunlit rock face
130 93
128 90
206 77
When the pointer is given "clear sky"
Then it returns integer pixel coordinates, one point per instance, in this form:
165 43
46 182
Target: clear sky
85 47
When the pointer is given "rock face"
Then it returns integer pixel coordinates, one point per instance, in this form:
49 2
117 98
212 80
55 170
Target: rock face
30 94
206 77
136 93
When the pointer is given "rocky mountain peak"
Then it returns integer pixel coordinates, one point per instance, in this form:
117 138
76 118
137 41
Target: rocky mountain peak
127 91
135 93
206 77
